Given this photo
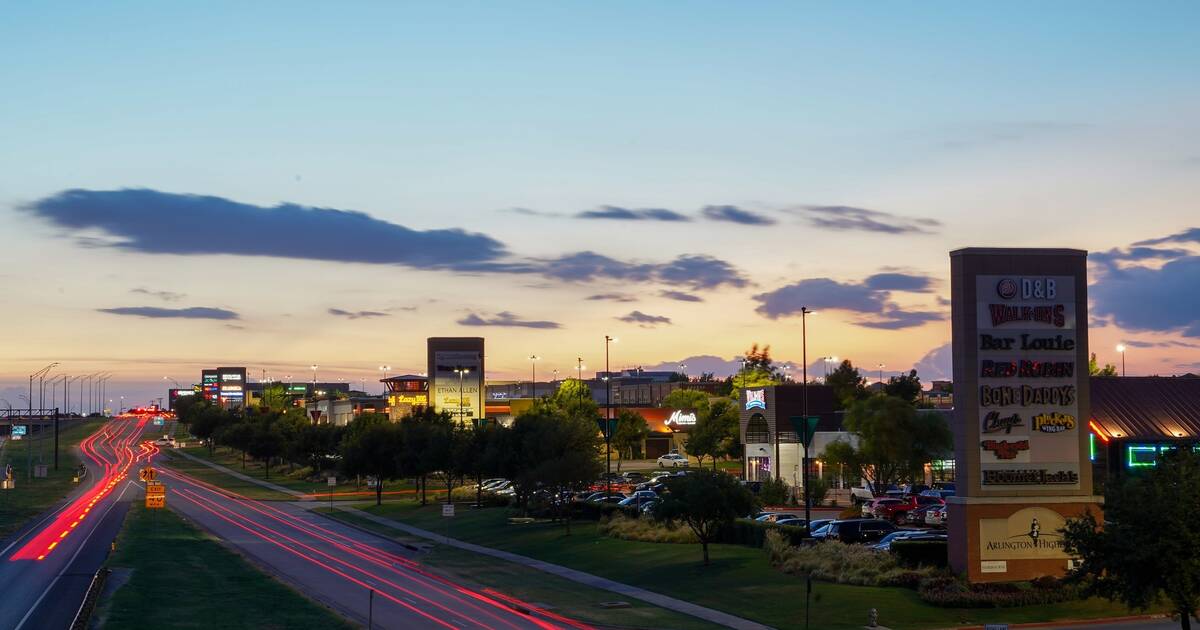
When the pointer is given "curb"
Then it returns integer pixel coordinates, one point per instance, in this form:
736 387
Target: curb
1076 622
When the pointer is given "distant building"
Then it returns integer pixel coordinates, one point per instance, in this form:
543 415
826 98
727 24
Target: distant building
406 394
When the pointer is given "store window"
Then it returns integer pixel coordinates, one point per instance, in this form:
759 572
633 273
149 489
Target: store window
757 431
758 468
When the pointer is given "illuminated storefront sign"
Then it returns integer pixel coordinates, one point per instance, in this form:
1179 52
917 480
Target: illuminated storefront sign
1063 475
416 400
756 399
1026 395
680 417
1053 422
993 422
1029 534
1004 449
231 377
1026 341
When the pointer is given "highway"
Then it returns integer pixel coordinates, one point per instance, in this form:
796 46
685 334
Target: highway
46 567
341 566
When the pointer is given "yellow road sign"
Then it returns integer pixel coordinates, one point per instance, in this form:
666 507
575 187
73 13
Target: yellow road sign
155 488
147 474
156 502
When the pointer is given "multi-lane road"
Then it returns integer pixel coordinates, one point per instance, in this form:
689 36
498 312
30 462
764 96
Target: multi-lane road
46 569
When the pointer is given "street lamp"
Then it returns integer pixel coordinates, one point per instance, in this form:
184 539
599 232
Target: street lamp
385 369
608 420
827 361
461 372
533 359
881 366
683 371
177 385
1121 349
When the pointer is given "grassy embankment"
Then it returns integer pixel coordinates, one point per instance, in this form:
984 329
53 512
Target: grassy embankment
181 578
31 497
739 581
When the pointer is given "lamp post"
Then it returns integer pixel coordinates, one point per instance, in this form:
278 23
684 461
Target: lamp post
385 369
579 375
881 366
461 372
533 359
1121 349
683 371
608 418
804 313
827 361
313 367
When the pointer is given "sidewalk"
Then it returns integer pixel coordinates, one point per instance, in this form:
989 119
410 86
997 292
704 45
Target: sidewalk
244 477
650 597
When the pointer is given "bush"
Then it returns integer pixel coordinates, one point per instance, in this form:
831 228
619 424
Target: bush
955 592
844 564
645 530
921 553
467 494
596 511
751 533
850 512
773 492
818 489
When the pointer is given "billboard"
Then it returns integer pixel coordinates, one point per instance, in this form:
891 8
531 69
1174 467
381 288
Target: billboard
456 377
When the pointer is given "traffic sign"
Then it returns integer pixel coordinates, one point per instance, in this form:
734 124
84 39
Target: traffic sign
447 509
19 430
147 474
331 481
155 488
156 502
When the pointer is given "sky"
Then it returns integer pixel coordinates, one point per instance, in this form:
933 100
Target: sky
277 185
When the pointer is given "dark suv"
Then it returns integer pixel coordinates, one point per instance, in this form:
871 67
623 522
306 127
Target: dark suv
855 530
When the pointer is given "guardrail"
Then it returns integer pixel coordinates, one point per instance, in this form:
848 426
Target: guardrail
84 615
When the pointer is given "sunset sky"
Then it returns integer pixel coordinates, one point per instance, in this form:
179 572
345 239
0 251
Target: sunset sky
273 186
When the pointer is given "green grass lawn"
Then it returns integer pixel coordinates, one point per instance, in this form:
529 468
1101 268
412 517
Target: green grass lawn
32 497
183 579
739 580
559 595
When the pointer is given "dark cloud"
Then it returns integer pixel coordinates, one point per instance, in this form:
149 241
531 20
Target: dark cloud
1190 235
507 319
734 214
644 320
697 272
895 281
611 297
155 312
1142 298
827 294
633 214
941 301
849 218
166 296
680 296
156 222
1136 254
356 314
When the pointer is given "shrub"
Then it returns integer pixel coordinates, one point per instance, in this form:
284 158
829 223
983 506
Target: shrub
773 492
844 564
921 553
818 489
751 533
467 494
955 592
850 512
645 530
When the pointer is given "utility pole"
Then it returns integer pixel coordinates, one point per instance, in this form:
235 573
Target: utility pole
804 313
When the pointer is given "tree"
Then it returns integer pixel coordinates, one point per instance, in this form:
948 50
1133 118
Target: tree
707 501
236 435
686 399
206 420
1094 368
275 397
1149 547
904 386
894 441
759 359
629 435
722 416
266 439
555 452
848 384
316 446
373 451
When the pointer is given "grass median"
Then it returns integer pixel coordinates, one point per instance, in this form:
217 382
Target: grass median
181 578
739 581
31 497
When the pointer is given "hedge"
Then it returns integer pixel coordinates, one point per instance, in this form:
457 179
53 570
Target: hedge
921 553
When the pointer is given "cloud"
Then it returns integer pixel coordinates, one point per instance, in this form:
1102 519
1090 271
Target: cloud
356 314
1112 257
611 297
155 312
506 319
700 364
849 218
529 212
895 281
150 221
1190 235
680 296
644 320
827 294
166 296
734 214
937 364
631 214
1141 298
697 272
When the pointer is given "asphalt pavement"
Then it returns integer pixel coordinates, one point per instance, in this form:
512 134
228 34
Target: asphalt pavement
46 568
361 575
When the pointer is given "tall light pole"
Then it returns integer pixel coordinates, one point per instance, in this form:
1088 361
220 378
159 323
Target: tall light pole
313 367
385 369
881 366
804 313
1121 349
67 399
533 359
827 361
608 418
579 375
461 372
683 371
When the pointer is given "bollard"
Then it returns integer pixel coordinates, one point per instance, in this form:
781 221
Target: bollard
872 618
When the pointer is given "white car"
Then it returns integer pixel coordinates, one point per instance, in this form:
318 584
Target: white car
672 460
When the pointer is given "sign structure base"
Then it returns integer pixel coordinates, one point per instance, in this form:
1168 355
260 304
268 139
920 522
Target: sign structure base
1006 542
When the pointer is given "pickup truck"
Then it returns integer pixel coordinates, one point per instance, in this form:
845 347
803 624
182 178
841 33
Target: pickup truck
861 495
897 511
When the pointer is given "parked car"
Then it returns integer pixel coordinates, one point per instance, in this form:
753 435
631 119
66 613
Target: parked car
635 477
861 495
638 498
936 516
884 543
855 530
791 522
871 509
898 510
605 497
916 516
672 460
771 517
648 507
818 523
658 473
